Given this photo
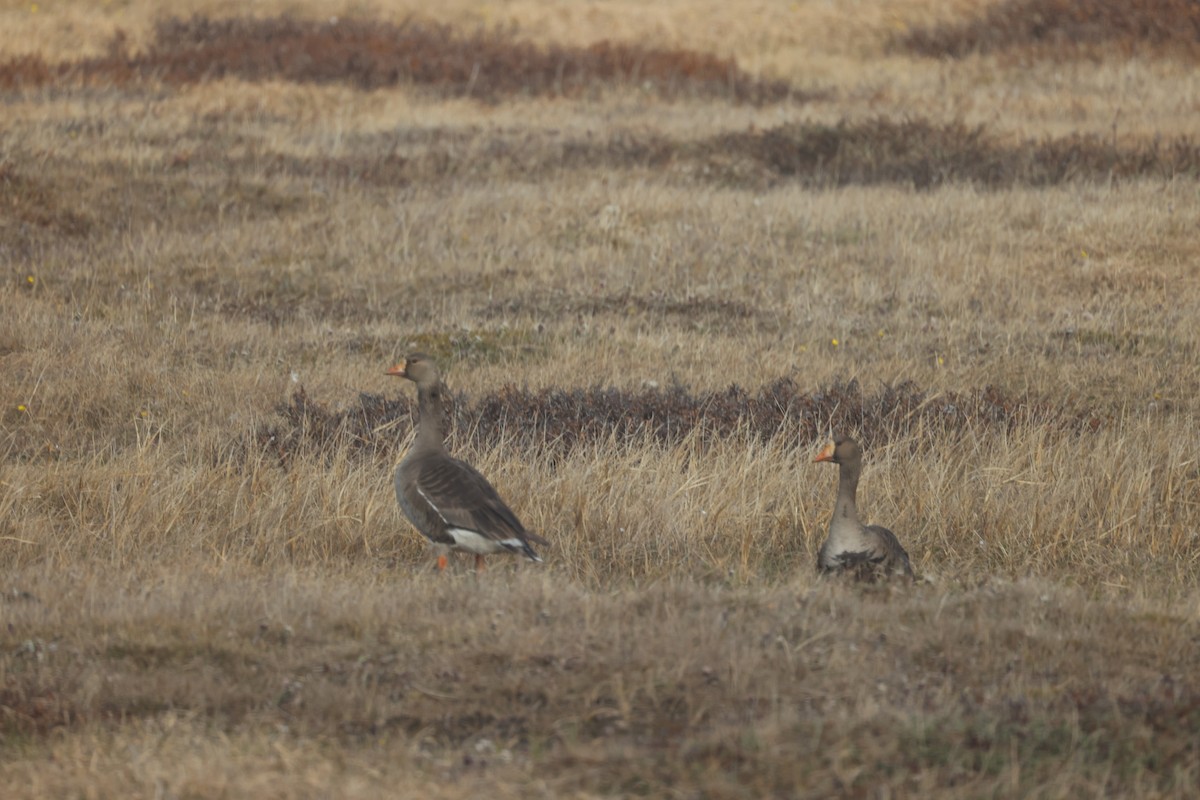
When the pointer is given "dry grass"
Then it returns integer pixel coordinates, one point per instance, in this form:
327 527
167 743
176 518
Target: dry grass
386 681
650 305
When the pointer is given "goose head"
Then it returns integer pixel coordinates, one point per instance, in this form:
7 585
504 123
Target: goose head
841 450
418 368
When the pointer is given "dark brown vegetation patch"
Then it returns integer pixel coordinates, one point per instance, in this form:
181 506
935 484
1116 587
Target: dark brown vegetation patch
1059 29
27 201
557 421
487 65
698 311
926 154
914 152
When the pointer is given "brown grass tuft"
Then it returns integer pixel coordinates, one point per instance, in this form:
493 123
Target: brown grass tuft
1062 29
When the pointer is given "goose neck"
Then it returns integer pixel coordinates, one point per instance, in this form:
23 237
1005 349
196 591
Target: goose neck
431 424
847 489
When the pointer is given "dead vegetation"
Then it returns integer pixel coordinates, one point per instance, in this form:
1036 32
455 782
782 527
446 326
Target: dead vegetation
369 54
1065 29
554 422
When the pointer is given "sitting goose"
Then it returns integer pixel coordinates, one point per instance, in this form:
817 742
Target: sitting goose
864 550
446 499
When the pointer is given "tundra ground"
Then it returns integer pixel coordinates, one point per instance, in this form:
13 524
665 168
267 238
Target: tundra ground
656 271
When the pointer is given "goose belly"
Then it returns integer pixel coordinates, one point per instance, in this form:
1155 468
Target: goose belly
847 544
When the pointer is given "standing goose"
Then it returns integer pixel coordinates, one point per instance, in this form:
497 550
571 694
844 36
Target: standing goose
864 550
446 499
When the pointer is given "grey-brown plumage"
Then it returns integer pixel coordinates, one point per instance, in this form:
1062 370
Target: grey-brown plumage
863 550
444 498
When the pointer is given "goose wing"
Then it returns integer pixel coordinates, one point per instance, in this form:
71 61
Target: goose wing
889 550
465 500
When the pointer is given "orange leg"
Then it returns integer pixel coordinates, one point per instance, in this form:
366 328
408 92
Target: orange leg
442 562
478 563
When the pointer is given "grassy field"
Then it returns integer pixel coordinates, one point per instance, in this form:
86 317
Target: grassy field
659 254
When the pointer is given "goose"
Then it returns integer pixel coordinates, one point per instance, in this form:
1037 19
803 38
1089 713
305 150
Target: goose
863 550
446 499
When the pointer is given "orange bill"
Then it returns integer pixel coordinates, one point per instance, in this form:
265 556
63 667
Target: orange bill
398 370
826 453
